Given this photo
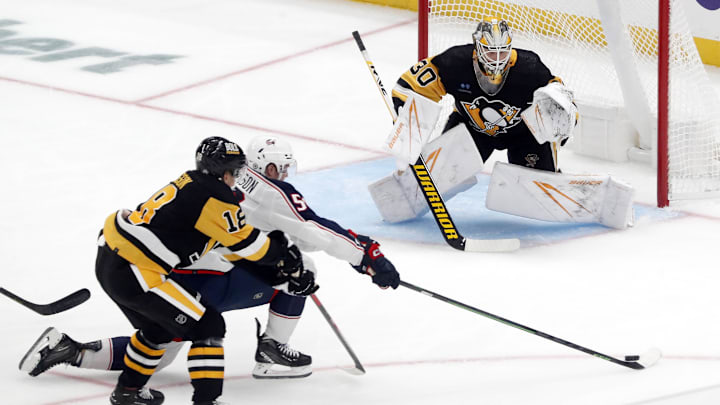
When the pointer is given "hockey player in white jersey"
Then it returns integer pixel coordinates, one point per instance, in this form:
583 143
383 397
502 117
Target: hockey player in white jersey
269 203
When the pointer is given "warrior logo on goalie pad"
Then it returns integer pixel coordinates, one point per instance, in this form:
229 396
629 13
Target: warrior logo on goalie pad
491 117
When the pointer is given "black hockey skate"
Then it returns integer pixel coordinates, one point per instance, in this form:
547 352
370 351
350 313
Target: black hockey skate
142 396
278 360
52 348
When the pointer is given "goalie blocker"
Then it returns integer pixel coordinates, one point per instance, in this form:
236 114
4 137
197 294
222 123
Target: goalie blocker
560 197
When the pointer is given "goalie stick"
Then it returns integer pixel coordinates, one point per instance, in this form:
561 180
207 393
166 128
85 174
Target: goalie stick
63 304
636 362
358 369
432 196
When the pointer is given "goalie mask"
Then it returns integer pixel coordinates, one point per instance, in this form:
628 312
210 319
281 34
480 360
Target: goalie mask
266 150
493 49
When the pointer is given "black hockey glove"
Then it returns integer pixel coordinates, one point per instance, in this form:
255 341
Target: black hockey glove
291 276
300 283
303 284
290 259
375 263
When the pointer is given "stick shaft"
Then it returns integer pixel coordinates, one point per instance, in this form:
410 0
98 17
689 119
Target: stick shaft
335 329
629 364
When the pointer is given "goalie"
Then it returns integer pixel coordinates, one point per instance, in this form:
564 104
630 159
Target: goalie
504 99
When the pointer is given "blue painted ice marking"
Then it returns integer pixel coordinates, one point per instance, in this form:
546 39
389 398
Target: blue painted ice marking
341 194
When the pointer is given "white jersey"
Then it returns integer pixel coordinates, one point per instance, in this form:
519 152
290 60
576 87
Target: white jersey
273 204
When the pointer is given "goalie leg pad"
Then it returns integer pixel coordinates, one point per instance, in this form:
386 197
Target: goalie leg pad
617 211
559 197
453 161
391 201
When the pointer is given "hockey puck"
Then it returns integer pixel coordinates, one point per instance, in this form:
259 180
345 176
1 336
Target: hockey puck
632 358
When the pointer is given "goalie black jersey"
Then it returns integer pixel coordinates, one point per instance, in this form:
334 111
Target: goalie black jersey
452 72
183 221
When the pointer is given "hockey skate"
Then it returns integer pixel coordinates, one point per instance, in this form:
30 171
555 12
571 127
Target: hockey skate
278 360
142 396
51 348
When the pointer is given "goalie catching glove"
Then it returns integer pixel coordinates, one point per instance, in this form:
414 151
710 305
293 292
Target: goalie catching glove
552 115
375 264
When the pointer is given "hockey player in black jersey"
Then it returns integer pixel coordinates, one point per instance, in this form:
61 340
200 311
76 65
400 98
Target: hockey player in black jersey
269 202
500 94
177 226
492 83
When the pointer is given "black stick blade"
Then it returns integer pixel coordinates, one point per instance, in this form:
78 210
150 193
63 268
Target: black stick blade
63 304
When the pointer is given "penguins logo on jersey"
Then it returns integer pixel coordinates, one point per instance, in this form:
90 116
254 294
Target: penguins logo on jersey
491 117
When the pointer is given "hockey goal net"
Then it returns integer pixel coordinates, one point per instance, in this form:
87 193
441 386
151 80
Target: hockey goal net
607 51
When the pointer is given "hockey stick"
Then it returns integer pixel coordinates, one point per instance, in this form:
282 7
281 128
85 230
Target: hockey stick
63 304
636 362
359 369
430 192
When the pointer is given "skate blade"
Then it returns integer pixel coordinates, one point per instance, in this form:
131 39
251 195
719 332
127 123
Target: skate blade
50 338
276 371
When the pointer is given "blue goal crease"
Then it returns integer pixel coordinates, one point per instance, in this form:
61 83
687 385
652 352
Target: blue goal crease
341 194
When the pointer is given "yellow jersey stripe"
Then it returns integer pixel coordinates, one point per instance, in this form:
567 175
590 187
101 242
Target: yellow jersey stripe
178 297
147 278
126 249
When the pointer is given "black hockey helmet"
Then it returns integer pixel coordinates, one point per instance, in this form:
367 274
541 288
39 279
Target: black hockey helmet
216 155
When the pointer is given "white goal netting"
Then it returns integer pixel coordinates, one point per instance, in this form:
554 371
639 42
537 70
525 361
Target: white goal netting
608 55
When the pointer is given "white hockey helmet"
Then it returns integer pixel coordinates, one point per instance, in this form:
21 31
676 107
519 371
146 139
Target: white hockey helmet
493 49
264 150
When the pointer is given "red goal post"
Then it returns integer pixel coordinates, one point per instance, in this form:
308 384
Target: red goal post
653 79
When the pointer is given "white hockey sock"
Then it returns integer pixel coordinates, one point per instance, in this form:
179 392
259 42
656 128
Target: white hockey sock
101 359
171 351
280 327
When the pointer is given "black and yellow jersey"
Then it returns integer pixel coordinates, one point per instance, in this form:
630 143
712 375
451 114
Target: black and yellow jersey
183 221
452 72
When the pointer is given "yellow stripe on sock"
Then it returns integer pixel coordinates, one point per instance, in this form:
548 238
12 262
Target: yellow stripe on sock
146 350
212 351
140 369
197 375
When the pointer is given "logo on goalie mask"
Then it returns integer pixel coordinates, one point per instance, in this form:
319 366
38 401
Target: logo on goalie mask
491 117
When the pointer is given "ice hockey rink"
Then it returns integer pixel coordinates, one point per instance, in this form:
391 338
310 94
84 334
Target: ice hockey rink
84 135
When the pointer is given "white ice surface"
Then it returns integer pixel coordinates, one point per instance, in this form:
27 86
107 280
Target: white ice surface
76 145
